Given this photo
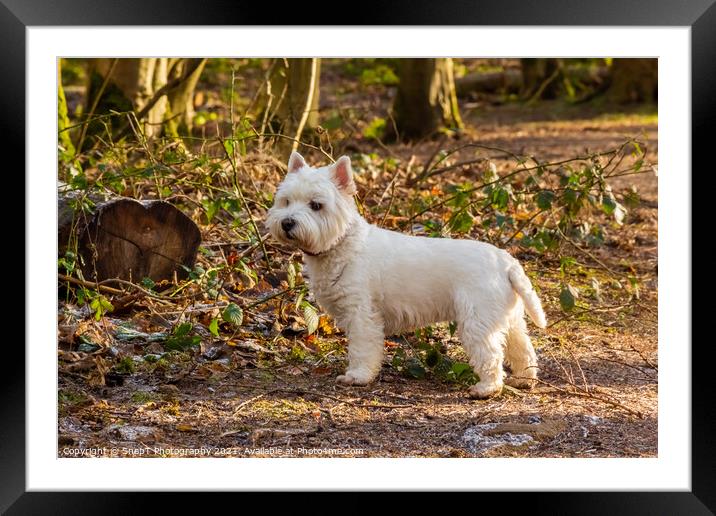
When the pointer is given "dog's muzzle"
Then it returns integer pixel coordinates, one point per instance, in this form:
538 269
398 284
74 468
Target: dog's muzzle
287 225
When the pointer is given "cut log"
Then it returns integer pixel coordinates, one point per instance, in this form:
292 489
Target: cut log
129 239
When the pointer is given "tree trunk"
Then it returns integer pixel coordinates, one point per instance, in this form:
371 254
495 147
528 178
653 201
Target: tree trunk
136 85
633 80
128 239
290 104
131 84
541 78
426 101
181 98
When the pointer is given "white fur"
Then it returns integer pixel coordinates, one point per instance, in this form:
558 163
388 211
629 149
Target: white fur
376 282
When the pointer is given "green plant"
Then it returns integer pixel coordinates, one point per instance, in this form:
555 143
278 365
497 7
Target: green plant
429 357
125 365
180 340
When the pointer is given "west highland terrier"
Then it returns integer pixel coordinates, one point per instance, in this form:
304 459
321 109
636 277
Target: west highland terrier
376 282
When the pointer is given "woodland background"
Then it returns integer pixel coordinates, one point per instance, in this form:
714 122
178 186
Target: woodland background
181 324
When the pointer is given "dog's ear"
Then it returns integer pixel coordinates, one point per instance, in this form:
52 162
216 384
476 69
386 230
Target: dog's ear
296 162
341 174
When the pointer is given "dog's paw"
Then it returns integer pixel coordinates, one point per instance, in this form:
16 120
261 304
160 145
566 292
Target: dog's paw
481 390
521 383
352 379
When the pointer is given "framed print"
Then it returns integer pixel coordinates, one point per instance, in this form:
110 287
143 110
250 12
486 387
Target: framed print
417 249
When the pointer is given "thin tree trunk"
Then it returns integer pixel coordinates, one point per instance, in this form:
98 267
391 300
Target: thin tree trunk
292 106
181 98
426 101
541 78
128 88
633 80
154 88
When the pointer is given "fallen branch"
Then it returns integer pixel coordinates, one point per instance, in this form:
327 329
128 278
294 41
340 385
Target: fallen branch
615 308
591 395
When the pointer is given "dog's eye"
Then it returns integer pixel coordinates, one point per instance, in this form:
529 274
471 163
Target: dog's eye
315 206
286 202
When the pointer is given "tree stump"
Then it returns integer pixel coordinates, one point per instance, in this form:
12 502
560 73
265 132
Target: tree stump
133 240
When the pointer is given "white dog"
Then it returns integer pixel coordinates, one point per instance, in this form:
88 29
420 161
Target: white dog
376 282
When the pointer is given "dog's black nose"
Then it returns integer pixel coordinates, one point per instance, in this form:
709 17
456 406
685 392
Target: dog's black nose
287 224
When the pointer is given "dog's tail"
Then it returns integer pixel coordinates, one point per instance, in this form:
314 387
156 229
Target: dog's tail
521 284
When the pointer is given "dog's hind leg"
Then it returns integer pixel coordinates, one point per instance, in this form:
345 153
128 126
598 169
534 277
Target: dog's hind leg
520 354
485 347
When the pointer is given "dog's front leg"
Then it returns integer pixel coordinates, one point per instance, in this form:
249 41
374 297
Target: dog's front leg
365 347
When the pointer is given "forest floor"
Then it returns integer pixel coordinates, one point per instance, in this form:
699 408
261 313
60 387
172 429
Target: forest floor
268 388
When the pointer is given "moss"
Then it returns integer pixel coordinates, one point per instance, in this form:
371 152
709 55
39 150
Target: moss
282 409
125 365
65 397
143 397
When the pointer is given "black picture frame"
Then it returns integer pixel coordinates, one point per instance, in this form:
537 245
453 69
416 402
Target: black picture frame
699 15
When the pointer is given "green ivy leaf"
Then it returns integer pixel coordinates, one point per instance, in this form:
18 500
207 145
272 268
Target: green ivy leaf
608 204
568 297
500 197
180 339
544 199
432 357
462 372
181 343
414 368
229 146
214 327
233 314
182 329
461 222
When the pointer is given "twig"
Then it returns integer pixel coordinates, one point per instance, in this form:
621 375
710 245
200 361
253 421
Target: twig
506 176
390 204
646 360
102 286
581 371
589 310
591 395
523 226
269 298
621 362
89 284
582 250
240 193
247 402
95 102
279 135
